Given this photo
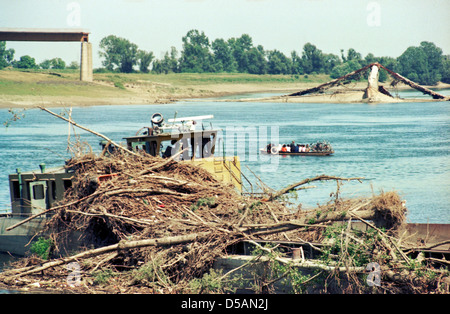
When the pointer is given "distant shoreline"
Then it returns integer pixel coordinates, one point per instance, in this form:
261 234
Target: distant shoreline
31 89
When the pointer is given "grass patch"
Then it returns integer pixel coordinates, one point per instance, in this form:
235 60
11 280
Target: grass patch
66 83
44 83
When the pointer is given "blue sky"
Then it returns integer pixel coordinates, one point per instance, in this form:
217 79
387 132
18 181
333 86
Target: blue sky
383 27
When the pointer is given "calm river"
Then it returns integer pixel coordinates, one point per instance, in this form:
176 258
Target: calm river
403 147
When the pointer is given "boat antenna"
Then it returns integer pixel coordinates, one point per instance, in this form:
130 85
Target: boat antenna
174 117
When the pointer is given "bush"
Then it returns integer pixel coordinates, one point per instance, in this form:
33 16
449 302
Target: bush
41 248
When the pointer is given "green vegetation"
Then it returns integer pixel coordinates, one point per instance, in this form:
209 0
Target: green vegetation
282 272
41 248
424 64
122 55
6 55
64 83
102 277
207 201
57 85
213 282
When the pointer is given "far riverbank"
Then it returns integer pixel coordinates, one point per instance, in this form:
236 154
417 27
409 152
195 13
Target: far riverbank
26 89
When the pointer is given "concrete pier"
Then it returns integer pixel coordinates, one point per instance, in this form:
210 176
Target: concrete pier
86 70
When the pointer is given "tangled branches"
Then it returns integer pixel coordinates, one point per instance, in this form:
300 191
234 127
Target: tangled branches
158 225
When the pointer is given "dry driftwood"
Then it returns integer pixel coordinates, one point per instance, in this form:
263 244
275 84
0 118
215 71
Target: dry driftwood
331 83
177 211
306 181
181 213
123 245
88 130
412 84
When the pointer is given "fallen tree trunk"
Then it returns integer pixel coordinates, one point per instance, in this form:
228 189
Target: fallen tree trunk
122 245
331 83
305 181
89 130
413 85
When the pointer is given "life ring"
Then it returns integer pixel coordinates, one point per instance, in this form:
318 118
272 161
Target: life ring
274 150
157 118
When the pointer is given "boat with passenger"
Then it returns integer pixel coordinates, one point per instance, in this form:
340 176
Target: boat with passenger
34 193
322 148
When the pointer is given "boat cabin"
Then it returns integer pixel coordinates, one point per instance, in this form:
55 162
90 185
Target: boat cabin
35 191
179 135
194 142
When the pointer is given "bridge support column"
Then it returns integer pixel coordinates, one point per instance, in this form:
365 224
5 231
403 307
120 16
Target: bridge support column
86 70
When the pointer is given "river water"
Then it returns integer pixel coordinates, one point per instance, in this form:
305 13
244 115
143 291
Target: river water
403 146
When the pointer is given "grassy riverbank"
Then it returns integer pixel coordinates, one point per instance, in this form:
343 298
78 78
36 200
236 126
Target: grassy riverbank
63 87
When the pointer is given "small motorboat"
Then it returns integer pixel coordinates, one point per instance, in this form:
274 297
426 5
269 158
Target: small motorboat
317 149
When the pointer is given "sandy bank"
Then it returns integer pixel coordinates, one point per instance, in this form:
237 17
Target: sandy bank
27 90
339 98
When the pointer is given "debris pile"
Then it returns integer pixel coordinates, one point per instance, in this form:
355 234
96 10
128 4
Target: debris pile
156 225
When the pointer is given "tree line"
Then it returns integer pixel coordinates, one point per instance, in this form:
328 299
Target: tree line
424 64
27 62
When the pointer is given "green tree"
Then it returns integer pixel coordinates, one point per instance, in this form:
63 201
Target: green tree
223 56
26 62
145 58
370 58
446 69
195 56
119 53
352 55
278 63
388 62
240 48
256 60
46 64
329 62
57 63
6 55
73 65
422 64
345 68
297 64
168 64
312 59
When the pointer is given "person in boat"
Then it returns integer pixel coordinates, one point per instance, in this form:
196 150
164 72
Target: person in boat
269 147
168 151
292 146
297 148
284 148
307 149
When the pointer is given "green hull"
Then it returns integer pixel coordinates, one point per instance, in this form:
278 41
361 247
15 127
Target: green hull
17 241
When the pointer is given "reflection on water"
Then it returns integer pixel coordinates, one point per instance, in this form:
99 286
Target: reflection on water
403 147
